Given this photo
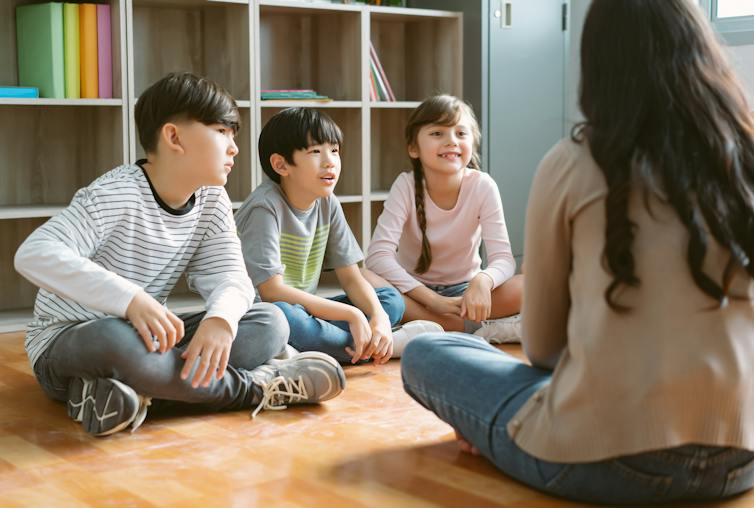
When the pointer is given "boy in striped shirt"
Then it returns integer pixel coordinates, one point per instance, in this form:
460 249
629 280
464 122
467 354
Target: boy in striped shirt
102 339
292 227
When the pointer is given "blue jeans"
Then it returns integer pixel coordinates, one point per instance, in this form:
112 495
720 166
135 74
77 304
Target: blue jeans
309 333
477 389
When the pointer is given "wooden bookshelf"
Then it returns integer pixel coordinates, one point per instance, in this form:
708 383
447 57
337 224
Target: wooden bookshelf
49 148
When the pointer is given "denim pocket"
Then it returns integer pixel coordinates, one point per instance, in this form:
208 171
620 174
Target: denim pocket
739 479
610 481
657 483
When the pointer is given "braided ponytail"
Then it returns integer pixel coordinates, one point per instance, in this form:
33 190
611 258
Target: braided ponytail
425 259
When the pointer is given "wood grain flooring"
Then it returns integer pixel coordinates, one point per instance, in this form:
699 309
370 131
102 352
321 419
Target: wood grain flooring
372 447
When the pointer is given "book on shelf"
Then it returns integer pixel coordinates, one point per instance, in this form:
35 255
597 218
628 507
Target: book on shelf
39 46
71 50
104 52
293 94
65 49
88 51
19 92
384 90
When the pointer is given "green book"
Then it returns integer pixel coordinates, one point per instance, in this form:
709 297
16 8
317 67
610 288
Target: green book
71 49
39 43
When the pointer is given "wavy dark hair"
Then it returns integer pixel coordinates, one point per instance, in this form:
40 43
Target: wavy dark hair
665 111
445 110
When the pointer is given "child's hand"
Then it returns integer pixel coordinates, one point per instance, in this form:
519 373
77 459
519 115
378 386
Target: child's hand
445 305
362 336
211 346
154 321
381 344
477 300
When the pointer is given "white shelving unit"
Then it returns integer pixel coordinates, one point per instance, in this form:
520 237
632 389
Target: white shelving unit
49 148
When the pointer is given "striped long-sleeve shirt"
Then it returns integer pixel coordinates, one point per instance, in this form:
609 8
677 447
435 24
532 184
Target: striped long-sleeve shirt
116 238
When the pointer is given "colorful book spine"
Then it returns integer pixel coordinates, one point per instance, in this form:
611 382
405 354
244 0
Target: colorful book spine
88 51
389 95
71 49
19 92
104 52
39 44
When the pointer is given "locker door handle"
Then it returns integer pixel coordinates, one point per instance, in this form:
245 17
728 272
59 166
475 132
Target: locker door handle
505 14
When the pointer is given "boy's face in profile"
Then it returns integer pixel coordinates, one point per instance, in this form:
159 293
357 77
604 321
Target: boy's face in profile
209 151
314 172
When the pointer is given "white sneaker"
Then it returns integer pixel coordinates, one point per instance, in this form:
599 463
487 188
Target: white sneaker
408 331
505 330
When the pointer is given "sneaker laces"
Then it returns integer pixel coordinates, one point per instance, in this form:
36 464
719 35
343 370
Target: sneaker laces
280 391
141 414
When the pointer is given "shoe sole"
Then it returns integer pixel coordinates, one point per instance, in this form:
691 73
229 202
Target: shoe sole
326 358
101 400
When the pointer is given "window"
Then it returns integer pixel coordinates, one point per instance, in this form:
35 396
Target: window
733 19
734 8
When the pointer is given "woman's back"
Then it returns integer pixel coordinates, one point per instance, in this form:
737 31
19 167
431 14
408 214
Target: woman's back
676 368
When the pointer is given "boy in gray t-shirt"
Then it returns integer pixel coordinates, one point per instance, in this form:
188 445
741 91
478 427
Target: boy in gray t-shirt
293 226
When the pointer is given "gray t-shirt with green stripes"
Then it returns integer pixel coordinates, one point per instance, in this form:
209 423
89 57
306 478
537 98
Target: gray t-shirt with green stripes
279 239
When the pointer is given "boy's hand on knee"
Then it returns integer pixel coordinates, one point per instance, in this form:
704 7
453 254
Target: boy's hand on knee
381 344
362 335
210 346
153 321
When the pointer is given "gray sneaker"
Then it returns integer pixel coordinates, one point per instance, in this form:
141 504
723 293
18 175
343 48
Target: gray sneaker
105 406
306 378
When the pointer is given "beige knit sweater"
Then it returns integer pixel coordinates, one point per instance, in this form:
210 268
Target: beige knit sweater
677 369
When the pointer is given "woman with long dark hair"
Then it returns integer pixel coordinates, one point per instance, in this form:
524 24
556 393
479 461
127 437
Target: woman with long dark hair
638 301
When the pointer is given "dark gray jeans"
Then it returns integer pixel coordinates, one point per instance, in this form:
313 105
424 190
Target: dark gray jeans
111 348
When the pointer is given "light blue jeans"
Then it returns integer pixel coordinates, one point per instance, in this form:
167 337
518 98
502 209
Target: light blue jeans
477 389
309 333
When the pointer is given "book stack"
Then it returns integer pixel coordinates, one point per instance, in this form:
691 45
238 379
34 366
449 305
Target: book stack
64 49
379 86
293 95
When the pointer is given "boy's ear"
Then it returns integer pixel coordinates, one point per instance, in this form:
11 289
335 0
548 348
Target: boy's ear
279 164
170 137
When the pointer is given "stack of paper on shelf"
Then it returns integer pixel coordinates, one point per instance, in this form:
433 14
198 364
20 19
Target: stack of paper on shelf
293 95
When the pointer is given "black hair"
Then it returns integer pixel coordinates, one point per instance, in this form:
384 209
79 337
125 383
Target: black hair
295 129
183 96
664 111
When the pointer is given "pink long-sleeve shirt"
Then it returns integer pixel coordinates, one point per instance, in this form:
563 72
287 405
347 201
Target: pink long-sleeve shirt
454 235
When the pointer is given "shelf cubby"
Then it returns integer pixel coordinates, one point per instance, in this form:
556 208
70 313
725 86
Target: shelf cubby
420 51
47 153
306 46
207 38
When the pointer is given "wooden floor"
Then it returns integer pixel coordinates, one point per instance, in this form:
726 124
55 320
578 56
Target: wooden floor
372 446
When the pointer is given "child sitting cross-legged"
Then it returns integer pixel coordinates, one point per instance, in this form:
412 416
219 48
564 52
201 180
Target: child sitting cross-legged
102 339
292 226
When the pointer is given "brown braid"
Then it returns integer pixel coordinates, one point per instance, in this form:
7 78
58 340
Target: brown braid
425 259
